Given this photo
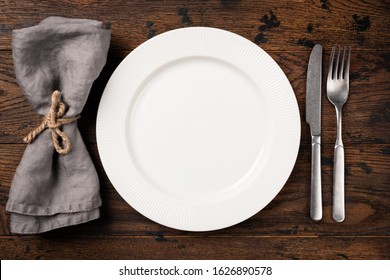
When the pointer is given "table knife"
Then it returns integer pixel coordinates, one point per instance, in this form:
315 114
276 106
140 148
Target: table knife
313 118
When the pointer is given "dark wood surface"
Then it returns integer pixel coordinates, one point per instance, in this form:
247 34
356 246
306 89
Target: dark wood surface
283 230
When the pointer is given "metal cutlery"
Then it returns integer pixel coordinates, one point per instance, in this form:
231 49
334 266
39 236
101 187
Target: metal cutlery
313 118
337 90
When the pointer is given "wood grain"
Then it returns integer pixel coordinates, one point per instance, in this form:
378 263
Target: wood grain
287 30
360 24
287 215
366 114
182 247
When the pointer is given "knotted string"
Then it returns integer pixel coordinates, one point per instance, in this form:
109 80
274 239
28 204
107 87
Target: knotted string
53 120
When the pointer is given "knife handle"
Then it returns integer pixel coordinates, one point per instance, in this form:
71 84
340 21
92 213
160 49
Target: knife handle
316 196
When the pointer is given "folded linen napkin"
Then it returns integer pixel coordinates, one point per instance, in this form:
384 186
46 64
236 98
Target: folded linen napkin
56 184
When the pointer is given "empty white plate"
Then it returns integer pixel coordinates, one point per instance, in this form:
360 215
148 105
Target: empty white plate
198 129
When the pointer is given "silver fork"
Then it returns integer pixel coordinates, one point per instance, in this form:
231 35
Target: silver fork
337 90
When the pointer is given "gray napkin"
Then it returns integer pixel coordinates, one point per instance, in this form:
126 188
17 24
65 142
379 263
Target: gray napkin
52 190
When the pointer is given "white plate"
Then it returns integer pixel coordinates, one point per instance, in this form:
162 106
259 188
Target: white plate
198 129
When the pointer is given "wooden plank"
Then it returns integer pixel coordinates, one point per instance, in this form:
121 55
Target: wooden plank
366 114
182 247
367 198
275 25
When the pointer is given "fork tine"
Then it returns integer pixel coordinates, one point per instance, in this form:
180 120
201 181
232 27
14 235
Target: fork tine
330 70
337 65
346 72
342 65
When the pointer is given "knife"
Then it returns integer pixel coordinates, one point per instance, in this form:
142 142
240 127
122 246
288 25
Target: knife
313 118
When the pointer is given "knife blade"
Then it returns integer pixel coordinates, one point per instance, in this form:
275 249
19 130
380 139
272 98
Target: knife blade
313 118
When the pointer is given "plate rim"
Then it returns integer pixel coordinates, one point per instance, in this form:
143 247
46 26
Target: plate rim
100 124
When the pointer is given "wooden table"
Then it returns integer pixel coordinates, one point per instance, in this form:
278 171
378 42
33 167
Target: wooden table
283 230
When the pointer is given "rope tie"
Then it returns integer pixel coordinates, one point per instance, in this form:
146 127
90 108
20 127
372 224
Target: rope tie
53 120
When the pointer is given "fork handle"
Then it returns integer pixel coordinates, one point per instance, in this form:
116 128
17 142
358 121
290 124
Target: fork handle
338 172
338 184
316 197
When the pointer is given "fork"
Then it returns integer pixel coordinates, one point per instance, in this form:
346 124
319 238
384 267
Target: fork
337 90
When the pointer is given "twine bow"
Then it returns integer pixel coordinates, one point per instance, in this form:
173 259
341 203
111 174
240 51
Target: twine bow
53 120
